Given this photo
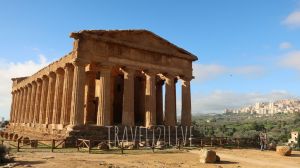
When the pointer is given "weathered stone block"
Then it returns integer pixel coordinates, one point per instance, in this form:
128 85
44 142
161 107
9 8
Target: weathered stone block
208 156
284 150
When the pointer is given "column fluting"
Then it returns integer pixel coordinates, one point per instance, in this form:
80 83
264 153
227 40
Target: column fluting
150 99
67 94
58 96
77 103
170 101
128 97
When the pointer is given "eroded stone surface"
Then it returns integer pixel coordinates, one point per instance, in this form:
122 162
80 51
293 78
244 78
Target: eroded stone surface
100 82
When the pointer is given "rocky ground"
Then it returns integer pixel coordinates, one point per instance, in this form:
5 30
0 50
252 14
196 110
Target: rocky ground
235 158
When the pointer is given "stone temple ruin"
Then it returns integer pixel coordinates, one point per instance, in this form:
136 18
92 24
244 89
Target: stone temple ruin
113 77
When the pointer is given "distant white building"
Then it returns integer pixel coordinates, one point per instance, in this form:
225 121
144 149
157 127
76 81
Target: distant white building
294 137
270 108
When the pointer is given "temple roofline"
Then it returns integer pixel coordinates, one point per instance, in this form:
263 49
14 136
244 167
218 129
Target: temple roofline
98 34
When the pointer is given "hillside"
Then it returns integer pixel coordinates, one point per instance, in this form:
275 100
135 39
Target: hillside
270 108
278 126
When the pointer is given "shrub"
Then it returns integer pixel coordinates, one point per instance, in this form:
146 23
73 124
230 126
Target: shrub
3 154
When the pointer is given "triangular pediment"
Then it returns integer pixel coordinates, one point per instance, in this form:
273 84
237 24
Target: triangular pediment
141 38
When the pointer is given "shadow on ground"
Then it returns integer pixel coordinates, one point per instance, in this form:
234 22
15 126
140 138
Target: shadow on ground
295 155
29 162
227 162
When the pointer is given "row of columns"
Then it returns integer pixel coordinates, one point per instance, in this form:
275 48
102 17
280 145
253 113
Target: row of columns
58 98
46 100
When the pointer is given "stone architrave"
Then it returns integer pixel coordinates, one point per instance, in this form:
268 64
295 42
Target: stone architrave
77 103
150 99
128 97
86 87
67 95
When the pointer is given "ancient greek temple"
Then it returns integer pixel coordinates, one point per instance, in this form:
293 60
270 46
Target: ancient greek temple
114 77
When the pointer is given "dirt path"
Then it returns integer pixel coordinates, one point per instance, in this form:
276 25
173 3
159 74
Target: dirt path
246 158
254 158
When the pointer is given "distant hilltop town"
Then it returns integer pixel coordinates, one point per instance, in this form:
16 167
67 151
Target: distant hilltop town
269 108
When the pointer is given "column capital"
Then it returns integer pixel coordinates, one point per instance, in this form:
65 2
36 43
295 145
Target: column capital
39 80
105 66
51 74
150 73
68 65
29 85
186 78
91 72
26 87
128 71
167 76
79 62
159 81
45 77
59 70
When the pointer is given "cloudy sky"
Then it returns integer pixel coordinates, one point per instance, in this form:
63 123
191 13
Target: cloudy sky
248 51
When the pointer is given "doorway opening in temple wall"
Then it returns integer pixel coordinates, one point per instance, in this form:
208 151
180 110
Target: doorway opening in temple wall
118 99
139 101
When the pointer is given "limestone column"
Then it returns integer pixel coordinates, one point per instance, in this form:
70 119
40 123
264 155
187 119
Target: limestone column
128 97
37 101
77 103
58 96
186 115
50 97
28 103
24 105
42 116
14 106
67 95
20 111
170 101
17 105
32 102
13 99
104 116
159 102
150 99
89 97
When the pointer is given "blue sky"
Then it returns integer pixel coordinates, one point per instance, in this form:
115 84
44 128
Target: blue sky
248 50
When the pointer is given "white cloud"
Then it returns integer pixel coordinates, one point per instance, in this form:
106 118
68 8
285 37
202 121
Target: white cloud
10 70
217 101
285 45
292 20
203 72
250 70
291 60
